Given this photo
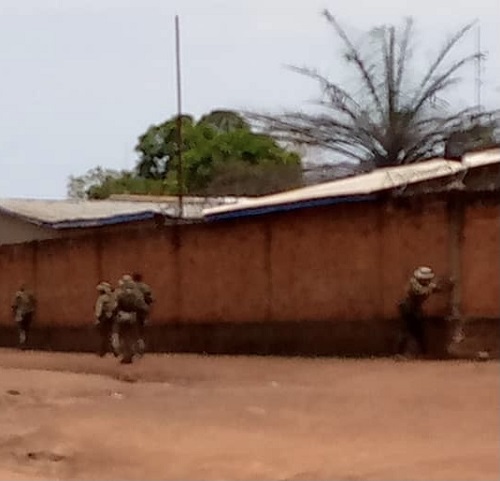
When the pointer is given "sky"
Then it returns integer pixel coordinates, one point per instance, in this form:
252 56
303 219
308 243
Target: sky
80 80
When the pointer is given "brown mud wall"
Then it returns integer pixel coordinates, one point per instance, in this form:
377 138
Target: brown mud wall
313 281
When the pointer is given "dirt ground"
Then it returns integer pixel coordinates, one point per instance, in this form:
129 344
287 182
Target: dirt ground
75 416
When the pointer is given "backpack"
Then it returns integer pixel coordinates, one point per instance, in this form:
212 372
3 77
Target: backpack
146 293
148 298
24 303
128 299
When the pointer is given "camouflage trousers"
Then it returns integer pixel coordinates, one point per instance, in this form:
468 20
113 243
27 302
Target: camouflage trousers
126 336
141 328
23 327
411 336
105 330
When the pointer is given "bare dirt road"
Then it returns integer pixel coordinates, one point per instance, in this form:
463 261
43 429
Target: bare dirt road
75 416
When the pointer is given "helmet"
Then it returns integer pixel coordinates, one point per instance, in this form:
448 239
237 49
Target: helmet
127 281
423 274
103 287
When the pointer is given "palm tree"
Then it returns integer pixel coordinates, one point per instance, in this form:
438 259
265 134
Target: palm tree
389 117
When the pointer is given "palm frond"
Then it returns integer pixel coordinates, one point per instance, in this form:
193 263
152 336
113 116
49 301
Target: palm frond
389 74
404 53
387 122
443 53
442 82
354 55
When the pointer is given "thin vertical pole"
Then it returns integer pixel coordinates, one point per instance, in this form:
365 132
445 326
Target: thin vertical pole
180 179
478 67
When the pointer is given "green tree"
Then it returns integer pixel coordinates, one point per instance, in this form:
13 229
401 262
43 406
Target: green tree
100 183
220 141
389 115
127 183
221 155
157 147
224 120
79 186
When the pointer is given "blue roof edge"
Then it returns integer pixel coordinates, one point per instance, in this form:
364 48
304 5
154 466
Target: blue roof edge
289 206
100 222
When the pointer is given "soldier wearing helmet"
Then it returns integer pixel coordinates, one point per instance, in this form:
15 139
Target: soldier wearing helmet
421 286
129 301
104 317
23 307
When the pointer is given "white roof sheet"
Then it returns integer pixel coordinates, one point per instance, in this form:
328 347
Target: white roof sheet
51 211
83 213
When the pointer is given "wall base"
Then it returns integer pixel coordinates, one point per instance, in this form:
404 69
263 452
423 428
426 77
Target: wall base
345 339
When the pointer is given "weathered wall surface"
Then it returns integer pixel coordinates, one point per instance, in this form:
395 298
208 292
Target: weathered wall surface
325 264
481 261
412 235
223 273
17 231
14 231
17 265
66 272
332 266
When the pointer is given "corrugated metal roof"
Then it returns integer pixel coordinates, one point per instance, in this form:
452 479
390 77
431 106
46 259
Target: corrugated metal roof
173 200
359 186
60 214
65 214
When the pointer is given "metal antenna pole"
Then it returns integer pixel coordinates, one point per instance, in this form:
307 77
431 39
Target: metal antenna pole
180 179
478 67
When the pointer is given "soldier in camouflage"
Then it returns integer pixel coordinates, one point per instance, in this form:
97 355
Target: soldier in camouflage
104 317
142 315
129 301
23 308
421 286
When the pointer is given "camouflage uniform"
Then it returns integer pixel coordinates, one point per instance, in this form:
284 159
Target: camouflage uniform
142 314
420 287
104 317
23 308
129 301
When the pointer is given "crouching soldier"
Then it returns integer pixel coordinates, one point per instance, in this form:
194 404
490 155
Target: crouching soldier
143 314
104 318
421 286
23 308
129 301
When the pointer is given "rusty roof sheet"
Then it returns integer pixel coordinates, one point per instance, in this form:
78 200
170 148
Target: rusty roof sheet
359 186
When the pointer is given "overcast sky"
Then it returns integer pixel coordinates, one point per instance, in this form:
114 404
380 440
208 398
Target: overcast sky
81 79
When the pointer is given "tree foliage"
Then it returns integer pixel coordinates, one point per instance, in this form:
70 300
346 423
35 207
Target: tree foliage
221 155
219 142
224 120
388 115
100 183
79 186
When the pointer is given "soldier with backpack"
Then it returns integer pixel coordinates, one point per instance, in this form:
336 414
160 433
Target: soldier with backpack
23 307
142 314
129 301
